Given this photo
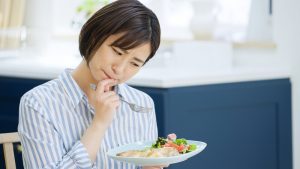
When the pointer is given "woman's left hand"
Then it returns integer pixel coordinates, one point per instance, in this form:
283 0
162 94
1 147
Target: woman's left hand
155 167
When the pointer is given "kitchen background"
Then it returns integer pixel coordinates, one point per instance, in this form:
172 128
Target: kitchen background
238 56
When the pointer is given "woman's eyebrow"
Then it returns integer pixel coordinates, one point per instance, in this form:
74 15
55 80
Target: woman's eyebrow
135 58
123 50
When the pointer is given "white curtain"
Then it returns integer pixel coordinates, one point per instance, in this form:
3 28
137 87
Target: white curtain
11 21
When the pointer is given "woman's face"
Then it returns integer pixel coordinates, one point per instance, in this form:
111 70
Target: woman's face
110 62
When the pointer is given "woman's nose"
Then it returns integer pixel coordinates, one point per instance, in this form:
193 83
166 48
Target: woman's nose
119 67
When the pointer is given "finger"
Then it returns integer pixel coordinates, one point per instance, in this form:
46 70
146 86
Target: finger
101 86
162 166
108 87
110 97
116 103
158 168
107 95
153 167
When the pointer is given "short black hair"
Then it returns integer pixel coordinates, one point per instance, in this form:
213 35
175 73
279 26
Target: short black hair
138 24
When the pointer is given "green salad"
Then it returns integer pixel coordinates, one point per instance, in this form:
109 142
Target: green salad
180 145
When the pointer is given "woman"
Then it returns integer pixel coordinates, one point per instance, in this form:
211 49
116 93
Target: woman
65 123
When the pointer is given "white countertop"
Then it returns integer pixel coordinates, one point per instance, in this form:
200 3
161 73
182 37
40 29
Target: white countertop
46 68
169 78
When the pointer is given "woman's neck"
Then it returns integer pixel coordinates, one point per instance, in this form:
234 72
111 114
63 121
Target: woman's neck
83 77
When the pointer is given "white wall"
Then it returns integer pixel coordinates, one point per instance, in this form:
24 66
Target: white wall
287 36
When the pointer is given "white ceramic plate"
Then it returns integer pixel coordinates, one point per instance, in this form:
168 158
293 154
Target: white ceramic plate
152 161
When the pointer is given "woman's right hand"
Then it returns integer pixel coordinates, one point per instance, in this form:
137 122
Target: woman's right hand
106 102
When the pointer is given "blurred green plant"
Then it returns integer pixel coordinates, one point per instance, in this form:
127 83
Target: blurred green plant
88 7
85 10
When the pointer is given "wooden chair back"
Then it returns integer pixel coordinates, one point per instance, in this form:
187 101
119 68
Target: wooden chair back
7 139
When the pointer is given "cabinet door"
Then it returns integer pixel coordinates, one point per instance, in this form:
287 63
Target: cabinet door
159 97
11 90
246 125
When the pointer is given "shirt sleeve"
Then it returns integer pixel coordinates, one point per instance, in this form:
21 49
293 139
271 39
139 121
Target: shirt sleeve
153 123
42 146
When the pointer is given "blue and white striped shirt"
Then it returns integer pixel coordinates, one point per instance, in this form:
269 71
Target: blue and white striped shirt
54 116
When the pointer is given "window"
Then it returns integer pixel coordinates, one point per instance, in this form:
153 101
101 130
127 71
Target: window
230 19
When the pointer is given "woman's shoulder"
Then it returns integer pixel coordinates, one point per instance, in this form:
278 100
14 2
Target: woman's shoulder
39 102
42 91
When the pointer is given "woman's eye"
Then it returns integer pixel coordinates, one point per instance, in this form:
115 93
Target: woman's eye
117 52
134 64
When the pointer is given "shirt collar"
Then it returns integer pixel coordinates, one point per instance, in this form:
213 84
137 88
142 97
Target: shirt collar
71 87
74 91
119 89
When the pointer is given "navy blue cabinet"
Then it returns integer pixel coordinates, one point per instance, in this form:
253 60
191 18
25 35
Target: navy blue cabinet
247 125
11 90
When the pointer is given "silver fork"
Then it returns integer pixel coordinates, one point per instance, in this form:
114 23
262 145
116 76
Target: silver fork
133 107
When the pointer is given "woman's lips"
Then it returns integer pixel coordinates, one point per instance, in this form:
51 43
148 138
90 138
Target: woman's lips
109 77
